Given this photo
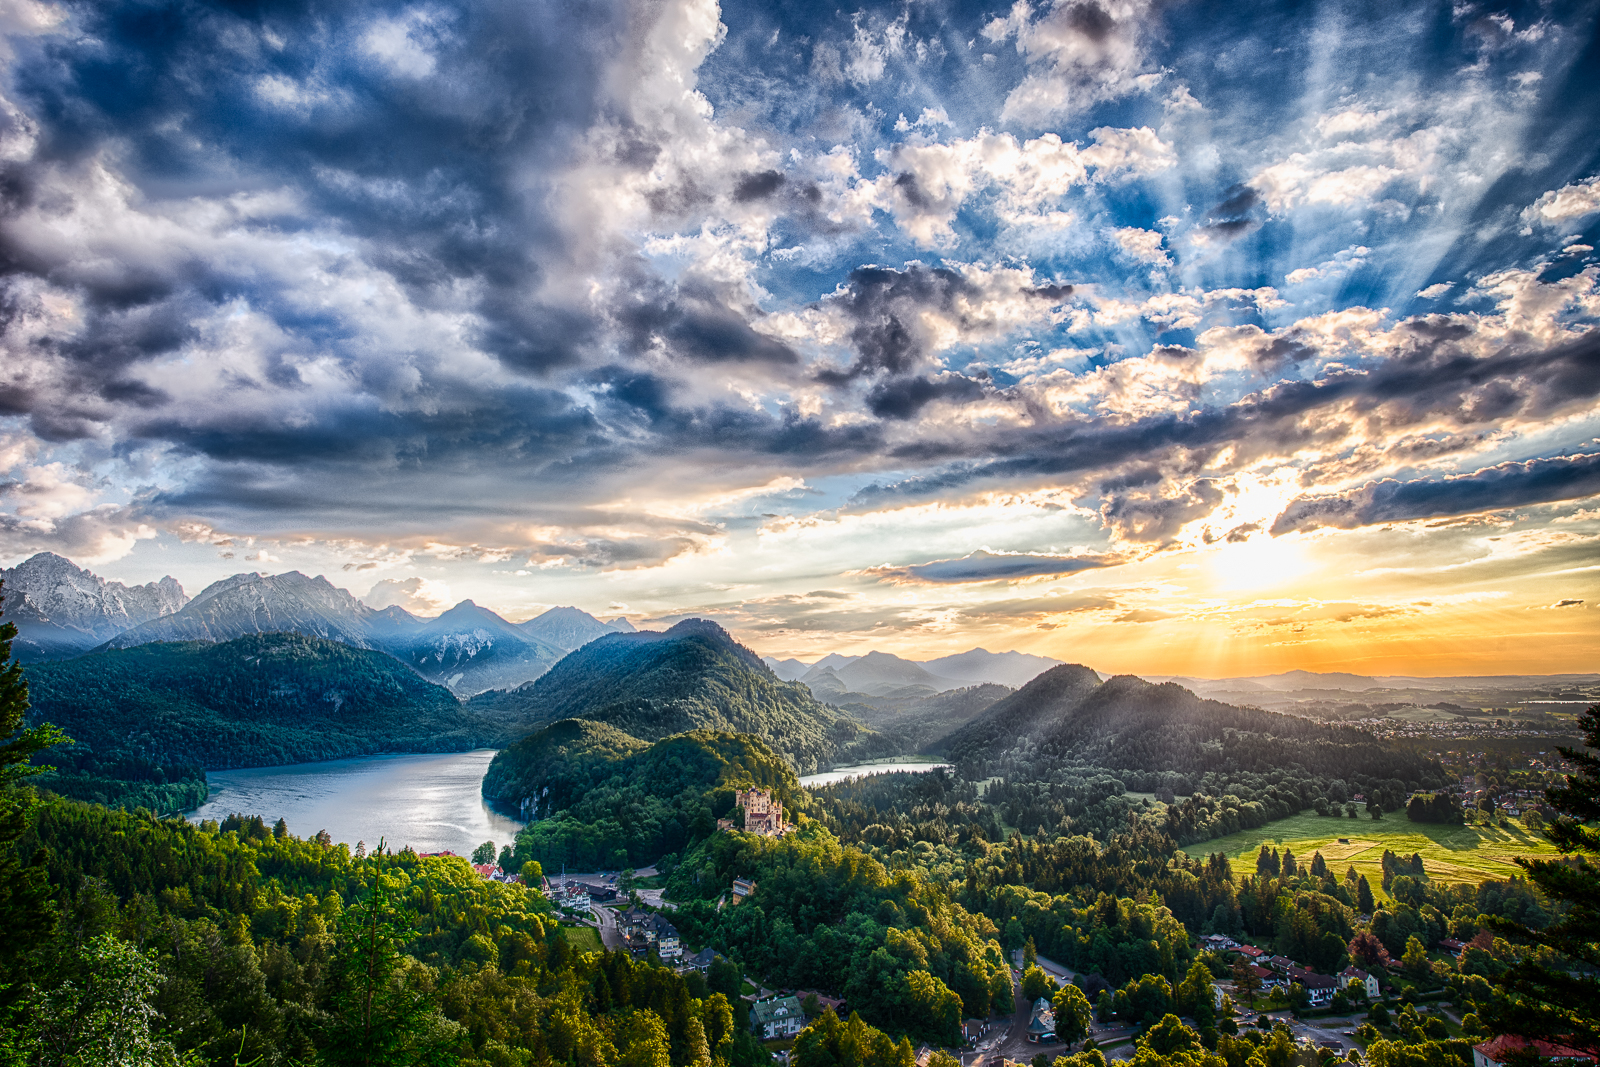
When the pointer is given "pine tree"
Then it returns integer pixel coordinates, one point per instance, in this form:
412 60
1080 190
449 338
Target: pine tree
1364 900
1560 1001
383 1002
25 913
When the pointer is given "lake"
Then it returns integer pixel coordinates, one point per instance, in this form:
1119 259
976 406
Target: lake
432 803
839 774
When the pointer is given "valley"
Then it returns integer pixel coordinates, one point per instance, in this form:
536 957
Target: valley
925 825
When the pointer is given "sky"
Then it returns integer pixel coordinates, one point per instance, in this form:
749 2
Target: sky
1174 338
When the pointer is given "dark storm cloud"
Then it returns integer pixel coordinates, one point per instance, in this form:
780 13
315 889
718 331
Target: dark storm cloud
692 321
1505 485
985 566
903 397
883 305
1236 215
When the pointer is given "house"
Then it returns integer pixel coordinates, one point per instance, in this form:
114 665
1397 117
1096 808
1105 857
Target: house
487 871
1042 1027
1319 987
1250 952
1452 946
1369 983
1495 1051
972 1030
824 1003
1281 964
1218 942
665 936
700 961
778 1017
1268 979
763 813
742 887
599 893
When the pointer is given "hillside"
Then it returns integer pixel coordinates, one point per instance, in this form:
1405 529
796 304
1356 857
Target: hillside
600 798
1127 723
1026 713
691 677
255 701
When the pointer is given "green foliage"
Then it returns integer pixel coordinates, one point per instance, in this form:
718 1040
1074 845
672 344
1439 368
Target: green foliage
103 1013
1073 1014
827 916
280 950
827 1042
603 799
1434 807
692 677
1554 990
1036 983
157 713
25 914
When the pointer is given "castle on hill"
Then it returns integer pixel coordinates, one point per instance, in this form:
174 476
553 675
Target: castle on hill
763 813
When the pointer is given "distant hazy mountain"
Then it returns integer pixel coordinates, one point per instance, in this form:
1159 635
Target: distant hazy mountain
981 665
1028 712
621 625
570 628
916 721
876 673
691 677
790 670
62 610
264 603
469 649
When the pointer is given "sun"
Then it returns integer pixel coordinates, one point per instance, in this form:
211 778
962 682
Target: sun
1261 563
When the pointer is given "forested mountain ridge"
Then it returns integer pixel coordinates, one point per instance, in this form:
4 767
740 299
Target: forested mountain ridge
692 677
254 701
1025 713
596 797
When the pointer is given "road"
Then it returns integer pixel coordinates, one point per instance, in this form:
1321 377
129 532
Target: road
610 936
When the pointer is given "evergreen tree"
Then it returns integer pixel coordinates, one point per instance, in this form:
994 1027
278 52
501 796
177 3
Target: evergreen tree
1364 900
25 913
1558 999
384 1004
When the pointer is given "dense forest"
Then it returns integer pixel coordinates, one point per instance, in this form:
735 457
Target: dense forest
691 677
826 915
252 945
600 798
144 721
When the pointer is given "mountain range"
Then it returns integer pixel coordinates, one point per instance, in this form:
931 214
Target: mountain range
63 611
840 679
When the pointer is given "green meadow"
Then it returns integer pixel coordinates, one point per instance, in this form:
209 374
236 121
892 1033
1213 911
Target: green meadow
1449 853
583 938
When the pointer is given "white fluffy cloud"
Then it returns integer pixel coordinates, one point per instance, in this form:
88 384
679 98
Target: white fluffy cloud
1560 206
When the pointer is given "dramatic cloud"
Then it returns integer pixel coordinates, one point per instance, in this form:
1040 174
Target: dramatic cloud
986 566
477 295
1505 485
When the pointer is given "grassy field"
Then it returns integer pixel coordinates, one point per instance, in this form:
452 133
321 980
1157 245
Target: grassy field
1449 853
583 938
